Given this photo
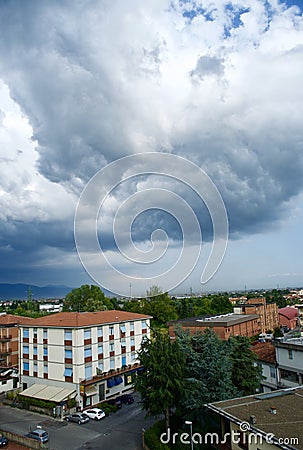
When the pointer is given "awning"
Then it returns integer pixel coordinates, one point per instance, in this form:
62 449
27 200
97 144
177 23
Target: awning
118 380
91 390
111 382
51 393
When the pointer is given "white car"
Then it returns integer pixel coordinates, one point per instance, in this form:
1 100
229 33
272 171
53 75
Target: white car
95 413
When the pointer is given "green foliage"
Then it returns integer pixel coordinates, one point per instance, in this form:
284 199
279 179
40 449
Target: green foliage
246 374
161 382
107 408
208 371
27 401
87 298
152 436
278 332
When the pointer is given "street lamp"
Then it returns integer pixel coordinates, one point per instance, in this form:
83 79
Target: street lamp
189 422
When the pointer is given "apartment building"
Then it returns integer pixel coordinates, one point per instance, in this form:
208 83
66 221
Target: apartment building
9 340
266 354
224 325
89 355
268 312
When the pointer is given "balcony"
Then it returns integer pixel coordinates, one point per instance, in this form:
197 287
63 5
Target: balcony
5 338
112 373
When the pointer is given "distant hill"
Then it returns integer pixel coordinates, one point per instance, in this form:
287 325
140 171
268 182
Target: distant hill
20 291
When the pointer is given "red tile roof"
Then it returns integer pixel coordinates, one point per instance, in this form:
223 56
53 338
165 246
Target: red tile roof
11 319
265 351
83 319
289 312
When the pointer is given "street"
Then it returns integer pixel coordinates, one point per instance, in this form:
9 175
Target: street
120 431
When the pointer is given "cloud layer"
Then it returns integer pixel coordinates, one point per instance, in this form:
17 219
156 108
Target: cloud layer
97 80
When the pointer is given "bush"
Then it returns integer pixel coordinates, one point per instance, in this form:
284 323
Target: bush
152 436
107 408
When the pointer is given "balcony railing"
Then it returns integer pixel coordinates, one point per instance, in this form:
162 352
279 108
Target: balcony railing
112 373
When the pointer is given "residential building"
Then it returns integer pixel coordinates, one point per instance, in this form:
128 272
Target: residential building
288 317
289 356
299 307
225 325
268 312
9 379
266 353
90 355
262 421
9 341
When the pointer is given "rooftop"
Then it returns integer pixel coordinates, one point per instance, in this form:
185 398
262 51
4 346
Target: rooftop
265 351
222 320
288 312
83 319
11 319
286 423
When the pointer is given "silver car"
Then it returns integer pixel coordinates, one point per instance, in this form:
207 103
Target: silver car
78 418
39 435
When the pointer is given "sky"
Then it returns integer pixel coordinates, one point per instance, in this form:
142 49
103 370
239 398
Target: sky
188 85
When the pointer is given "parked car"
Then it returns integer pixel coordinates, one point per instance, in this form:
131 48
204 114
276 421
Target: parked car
39 435
95 413
115 402
3 441
126 399
77 417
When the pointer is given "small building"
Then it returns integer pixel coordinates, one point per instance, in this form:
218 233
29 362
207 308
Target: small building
224 325
288 317
266 354
262 421
289 356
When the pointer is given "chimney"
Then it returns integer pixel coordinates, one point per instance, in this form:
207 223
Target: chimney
273 410
252 420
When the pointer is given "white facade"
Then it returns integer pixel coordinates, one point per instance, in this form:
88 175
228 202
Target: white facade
289 354
83 357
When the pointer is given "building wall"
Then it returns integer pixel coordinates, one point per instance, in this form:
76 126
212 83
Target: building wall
55 355
8 346
290 365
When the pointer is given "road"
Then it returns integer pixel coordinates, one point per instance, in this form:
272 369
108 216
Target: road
119 431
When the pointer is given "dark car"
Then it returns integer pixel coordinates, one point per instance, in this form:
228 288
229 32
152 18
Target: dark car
126 399
39 435
3 440
115 402
78 418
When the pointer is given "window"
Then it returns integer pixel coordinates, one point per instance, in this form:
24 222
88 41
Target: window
68 372
132 342
132 326
100 331
290 354
143 323
87 352
112 363
35 366
25 349
45 368
68 354
111 347
35 350
87 334
100 348
68 335
25 366
35 333
45 351
123 361
100 365
44 333
111 330
122 328
272 372
88 372
25 332
123 343
133 357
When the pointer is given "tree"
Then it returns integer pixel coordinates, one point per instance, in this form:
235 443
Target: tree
161 382
246 374
86 298
208 371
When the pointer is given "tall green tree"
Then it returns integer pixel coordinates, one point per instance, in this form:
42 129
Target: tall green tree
86 298
246 374
161 382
